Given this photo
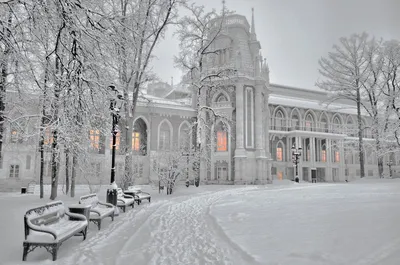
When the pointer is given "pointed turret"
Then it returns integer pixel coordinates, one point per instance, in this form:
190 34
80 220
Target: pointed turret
253 35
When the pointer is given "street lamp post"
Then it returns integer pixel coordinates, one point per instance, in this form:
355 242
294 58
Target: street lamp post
116 103
390 163
296 153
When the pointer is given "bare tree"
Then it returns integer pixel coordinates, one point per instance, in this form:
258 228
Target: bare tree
344 72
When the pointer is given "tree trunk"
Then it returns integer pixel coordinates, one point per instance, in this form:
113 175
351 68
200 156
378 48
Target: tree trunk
41 168
66 171
360 135
73 176
3 78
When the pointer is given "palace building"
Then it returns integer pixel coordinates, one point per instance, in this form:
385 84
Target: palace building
252 145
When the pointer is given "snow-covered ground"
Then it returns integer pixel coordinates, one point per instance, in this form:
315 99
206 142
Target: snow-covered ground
354 223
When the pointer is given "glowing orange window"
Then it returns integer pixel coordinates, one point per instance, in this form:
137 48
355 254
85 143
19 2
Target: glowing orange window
337 156
48 137
222 140
94 136
135 141
323 155
279 154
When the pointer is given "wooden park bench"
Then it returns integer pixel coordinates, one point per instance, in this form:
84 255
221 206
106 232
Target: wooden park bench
139 194
124 200
49 226
99 210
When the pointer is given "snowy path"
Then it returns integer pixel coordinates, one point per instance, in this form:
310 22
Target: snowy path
177 231
184 233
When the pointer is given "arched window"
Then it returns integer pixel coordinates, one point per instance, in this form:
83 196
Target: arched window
94 138
336 128
139 137
324 124
280 151
222 137
279 120
323 151
350 127
295 121
48 136
222 98
164 142
309 122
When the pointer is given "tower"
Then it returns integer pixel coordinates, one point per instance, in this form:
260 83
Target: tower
239 156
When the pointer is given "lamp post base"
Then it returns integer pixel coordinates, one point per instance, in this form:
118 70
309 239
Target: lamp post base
112 198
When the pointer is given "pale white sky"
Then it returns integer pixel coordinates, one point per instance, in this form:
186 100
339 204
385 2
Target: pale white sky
294 34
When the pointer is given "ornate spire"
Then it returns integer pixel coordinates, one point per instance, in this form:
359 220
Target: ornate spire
253 35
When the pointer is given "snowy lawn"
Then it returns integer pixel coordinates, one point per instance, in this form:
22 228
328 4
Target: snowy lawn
354 223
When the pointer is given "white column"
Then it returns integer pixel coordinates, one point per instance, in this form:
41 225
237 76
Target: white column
239 116
240 153
258 117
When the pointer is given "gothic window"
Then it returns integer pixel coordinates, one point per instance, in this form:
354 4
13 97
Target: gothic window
139 137
307 150
249 117
136 141
14 171
222 98
336 125
295 121
279 151
48 136
309 122
94 137
14 135
350 127
323 151
164 137
324 124
279 120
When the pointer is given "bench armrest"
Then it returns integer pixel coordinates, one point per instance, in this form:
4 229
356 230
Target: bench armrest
128 196
106 204
76 215
42 229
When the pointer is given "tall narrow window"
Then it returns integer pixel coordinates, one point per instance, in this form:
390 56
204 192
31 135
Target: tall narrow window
279 120
222 141
337 156
48 136
14 135
249 117
279 152
184 138
309 122
14 171
164 137
135 141
94 137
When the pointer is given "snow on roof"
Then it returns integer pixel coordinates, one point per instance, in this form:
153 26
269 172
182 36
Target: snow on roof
183 104
310 104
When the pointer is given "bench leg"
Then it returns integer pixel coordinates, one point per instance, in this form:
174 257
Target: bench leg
133 205
149 199
84 233
26 247
54 251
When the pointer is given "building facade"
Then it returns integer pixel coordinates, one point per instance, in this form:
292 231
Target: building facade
251 144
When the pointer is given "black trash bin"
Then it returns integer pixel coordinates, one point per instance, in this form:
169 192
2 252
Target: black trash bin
297 179
23 190
112 196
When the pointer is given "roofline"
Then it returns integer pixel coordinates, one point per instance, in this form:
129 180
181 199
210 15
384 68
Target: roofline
319 91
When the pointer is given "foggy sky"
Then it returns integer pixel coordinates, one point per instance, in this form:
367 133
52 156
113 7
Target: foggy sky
294 34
